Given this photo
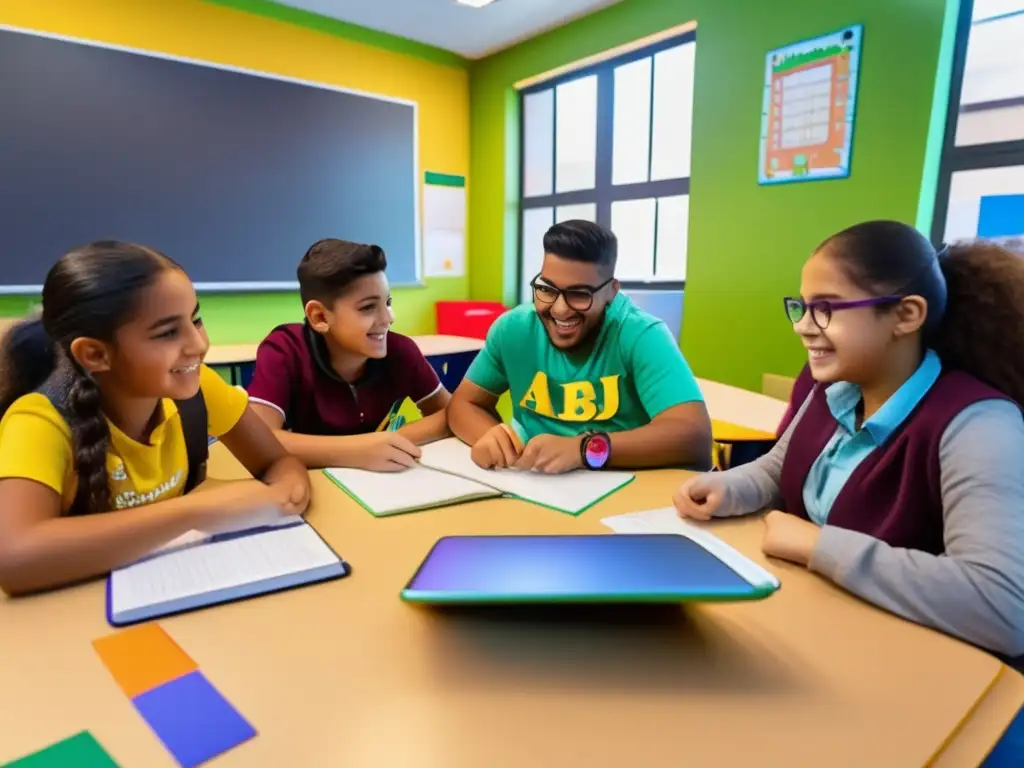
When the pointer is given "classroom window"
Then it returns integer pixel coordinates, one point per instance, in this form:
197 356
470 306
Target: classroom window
981 184
611 144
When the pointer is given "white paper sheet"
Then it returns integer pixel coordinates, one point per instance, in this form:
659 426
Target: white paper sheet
667 520
219 565
444 230
570 492
387 493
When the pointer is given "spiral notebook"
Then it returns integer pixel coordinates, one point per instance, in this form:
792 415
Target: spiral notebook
198 570
447 475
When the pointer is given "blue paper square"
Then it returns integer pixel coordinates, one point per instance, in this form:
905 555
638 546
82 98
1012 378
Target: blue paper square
192 719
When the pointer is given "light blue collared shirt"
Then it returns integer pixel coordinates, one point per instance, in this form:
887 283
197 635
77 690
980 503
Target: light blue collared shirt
850 446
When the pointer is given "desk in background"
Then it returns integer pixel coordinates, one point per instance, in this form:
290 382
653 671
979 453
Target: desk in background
743 421
450 356
344 673
237 359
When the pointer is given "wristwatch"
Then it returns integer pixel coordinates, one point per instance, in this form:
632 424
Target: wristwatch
595 449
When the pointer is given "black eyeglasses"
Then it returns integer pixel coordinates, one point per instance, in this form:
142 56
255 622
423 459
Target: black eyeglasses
578 297
821 311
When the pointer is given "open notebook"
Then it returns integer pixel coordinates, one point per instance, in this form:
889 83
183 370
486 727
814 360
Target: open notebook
197 570
667 520
447 475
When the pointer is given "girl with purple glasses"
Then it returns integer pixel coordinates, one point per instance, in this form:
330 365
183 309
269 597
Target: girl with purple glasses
901 475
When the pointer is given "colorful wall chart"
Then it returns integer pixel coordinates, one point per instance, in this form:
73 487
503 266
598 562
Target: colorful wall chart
810 100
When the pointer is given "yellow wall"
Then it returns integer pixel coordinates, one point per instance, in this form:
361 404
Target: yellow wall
212 33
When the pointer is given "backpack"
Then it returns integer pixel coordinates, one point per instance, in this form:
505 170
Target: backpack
193 424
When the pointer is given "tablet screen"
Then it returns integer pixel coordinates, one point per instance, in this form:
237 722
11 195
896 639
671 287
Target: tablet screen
600 567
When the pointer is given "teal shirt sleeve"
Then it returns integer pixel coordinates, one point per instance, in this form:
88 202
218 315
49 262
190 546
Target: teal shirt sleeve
661 374
487 370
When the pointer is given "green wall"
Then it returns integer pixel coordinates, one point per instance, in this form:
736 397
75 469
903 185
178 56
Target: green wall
747 243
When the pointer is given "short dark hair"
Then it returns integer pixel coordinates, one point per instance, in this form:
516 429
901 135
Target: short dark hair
330 266
579 240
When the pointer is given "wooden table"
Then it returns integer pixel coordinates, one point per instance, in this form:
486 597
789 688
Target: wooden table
345 674
444 352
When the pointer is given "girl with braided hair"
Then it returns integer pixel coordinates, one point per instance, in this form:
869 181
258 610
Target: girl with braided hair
96 398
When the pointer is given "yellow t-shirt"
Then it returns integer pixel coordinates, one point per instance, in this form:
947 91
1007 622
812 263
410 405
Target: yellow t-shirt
36 444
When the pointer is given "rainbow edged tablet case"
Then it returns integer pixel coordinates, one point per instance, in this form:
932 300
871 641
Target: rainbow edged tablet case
638 568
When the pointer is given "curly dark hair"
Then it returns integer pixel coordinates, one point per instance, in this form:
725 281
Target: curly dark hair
974 291
982 331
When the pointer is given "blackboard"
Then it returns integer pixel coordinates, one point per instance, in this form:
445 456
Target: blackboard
232 173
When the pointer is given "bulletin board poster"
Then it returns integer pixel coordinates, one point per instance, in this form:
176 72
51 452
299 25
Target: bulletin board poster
810 103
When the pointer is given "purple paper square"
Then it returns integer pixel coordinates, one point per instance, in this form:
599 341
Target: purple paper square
192 719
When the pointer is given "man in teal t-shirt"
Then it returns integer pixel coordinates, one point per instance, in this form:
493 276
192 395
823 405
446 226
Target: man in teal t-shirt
584 366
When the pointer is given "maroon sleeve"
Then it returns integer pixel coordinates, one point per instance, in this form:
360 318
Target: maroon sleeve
421 380
801 389
276 368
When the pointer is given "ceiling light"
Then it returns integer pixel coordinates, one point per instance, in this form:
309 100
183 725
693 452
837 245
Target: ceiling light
474 3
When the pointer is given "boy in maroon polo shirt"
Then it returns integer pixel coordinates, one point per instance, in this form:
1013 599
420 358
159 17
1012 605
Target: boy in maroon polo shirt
325 386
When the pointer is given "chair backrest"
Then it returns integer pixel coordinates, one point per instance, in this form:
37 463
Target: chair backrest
776 386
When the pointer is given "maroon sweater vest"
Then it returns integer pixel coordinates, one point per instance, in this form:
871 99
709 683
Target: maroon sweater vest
895 494
802 387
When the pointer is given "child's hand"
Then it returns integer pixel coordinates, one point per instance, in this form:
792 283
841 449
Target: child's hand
699 497
498 448
242 503
385 452
789 537
288 480
291 492
551 454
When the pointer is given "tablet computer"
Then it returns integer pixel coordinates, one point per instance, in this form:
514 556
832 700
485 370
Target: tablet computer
608 568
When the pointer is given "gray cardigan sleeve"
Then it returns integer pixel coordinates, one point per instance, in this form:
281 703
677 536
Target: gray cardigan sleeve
975 590
755 486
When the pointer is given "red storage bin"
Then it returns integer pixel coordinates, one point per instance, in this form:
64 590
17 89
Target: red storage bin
471 319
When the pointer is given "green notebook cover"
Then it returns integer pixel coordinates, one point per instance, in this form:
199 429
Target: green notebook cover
414 508
465 498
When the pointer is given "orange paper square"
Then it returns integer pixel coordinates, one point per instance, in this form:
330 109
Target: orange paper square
142 658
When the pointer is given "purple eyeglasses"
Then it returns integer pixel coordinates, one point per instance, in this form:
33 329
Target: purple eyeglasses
821 311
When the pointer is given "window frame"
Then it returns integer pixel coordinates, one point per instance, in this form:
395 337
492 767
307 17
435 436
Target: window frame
603 193
971 157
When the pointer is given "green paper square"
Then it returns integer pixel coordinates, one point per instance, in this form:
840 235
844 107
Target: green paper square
81 751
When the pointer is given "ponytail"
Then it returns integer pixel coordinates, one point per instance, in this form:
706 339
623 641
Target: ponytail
982 331
27 358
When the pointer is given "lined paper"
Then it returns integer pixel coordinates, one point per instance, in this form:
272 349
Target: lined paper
385 493
218 565
570 492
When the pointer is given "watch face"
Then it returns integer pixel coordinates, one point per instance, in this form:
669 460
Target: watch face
598 449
